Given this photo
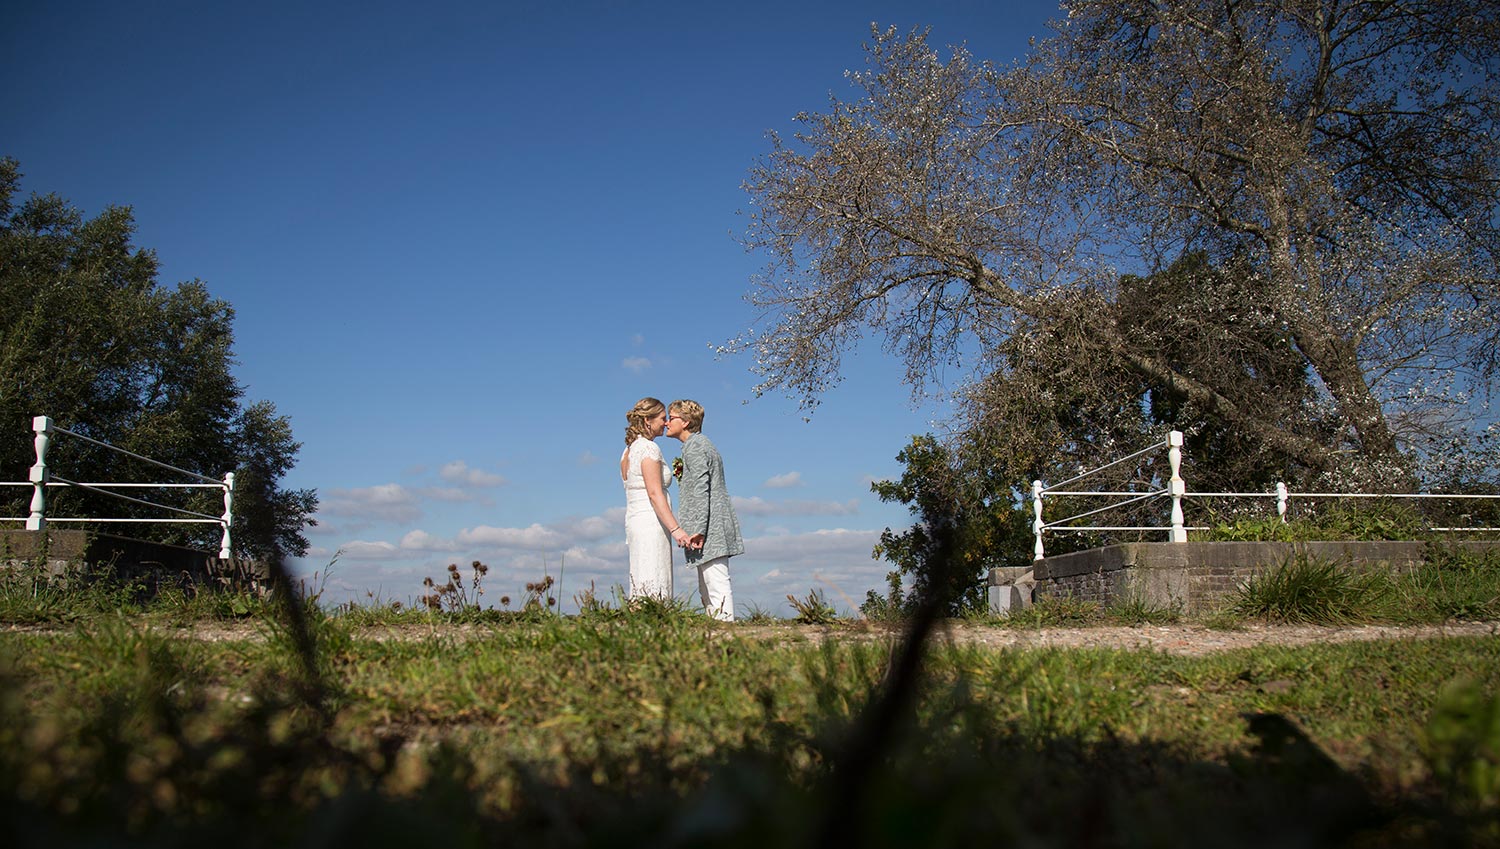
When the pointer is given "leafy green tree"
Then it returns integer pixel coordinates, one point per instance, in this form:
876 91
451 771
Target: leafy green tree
986 524
1055 401
1056 397
1340 159
88 338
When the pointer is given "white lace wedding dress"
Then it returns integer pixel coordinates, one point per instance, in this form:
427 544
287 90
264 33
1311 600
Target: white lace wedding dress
649 545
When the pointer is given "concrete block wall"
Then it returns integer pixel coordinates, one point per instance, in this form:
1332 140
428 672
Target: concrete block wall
152 564
1195 576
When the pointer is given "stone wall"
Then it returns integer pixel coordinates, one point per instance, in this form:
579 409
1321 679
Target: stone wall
153 565
1194 576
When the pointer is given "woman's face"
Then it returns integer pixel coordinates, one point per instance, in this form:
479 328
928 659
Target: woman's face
657 423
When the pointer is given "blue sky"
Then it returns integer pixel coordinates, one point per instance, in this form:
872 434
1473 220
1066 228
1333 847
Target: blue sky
462 239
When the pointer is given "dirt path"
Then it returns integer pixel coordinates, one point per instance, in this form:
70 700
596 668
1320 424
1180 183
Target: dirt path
1173 639
1198 640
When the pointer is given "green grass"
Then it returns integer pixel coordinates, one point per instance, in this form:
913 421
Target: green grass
31 596
1069 612
1366 521
625 726
1453 585
650 724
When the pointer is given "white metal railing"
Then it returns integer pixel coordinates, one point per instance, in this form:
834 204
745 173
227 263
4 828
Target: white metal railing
42 477
1176 490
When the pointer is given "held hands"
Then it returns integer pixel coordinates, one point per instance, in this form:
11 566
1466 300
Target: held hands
682 539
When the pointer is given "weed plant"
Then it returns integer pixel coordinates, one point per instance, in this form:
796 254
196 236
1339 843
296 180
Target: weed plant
813 610
1306 590
31 594
757 615
1136 610
648 609
1453 584
1070 612
892 607
1051 612
454 596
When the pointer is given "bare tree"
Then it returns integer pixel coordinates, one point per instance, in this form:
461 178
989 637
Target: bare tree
1341 155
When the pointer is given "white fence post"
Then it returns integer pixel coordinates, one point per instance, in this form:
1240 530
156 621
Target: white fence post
38 519
1177 485
228 514
1036 523
1281 496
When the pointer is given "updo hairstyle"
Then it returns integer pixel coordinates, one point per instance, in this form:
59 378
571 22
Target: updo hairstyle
643 411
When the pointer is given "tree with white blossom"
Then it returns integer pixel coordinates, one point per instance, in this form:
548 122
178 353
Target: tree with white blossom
1336 163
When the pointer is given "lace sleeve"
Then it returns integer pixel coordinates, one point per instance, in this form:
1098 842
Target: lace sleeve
644 449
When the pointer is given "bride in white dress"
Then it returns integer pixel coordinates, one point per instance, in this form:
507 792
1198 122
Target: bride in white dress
649 525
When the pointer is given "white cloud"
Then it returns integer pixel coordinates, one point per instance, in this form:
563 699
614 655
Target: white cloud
578 538
636 364
534 537
448 494
757 506
840 542
420 540
591 528
790 479
389 502
582 560
587 458
637 340
458 472
836 561
359 549
325 528
589 551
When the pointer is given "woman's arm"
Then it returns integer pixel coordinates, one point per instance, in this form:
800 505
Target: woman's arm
651 471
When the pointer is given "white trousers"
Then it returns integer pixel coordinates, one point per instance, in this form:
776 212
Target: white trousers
713 586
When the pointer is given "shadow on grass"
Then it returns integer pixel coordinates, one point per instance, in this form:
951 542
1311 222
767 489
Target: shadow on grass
160 763
144 771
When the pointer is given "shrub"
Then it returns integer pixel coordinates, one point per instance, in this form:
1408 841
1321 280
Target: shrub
892 606
1366 521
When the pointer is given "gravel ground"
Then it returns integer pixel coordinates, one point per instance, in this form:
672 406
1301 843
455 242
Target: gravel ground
1174 639
1198 639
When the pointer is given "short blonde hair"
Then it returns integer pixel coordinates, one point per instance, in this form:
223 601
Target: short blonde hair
644 410
689 411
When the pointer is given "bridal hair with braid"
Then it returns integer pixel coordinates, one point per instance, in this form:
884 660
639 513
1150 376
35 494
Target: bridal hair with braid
643 411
